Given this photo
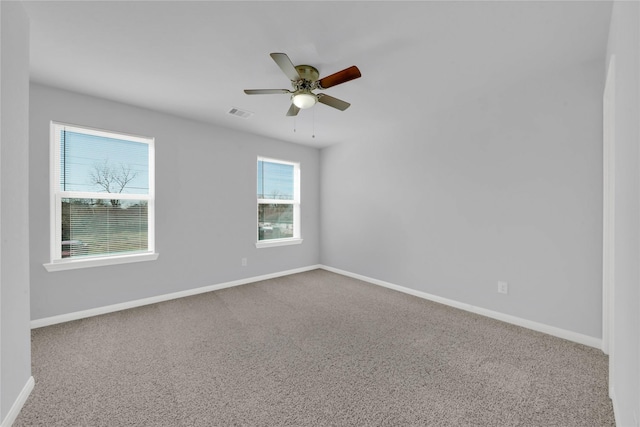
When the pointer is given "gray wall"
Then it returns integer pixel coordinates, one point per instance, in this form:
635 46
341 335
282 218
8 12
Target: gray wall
15 347
505 186
624 42
205 206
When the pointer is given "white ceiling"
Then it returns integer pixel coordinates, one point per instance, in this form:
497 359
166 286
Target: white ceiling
193 59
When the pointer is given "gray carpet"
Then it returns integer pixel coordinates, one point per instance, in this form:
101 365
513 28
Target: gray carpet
311 349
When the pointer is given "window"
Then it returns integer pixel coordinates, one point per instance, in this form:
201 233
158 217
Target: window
102 198
278 203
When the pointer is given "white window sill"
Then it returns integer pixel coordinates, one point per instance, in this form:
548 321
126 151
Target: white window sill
74 264
277 242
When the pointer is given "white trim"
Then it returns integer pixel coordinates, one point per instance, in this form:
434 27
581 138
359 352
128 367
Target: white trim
102 132
101 196
540 327
75 263
47 321
274 160
277 242
18 404
55 232
297 218
276 202
151 203
614 403
608 212
296 239
608 226
56 195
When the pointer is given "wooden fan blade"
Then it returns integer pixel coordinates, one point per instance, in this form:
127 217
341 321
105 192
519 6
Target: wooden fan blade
340 77
265 91
286 65
293 110
333 102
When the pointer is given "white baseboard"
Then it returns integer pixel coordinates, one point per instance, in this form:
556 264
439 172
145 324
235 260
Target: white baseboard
614 403
47 321
18 404
529 324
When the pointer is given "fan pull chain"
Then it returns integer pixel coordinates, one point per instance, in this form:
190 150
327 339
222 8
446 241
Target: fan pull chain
313 124
294 124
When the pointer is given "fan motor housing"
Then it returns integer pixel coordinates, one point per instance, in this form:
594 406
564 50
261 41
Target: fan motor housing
307 72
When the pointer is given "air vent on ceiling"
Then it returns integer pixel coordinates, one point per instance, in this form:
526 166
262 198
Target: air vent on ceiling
240 113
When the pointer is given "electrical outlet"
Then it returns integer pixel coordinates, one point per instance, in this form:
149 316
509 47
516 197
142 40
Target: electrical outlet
503 287
244 262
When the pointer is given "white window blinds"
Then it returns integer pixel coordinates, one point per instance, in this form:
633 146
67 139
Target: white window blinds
103 196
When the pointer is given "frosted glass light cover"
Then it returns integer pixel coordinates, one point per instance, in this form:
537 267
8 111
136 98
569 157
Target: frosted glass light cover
304 100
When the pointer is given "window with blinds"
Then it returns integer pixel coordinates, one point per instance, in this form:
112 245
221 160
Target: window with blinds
278 200
102 193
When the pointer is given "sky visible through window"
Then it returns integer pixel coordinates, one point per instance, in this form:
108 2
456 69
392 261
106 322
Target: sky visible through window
83 155
275 180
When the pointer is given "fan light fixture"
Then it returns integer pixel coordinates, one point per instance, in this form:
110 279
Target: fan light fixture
304 99
304 79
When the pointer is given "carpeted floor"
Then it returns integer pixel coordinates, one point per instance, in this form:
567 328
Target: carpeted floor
311 349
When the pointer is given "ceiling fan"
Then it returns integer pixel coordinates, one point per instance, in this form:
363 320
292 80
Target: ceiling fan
304 79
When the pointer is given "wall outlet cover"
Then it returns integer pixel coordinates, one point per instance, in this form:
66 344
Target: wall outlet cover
503 287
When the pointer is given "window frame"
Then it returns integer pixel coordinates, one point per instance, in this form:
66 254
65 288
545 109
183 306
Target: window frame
56 262
297 238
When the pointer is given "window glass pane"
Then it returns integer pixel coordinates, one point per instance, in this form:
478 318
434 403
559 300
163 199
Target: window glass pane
275 180
94 163
93 227
275 221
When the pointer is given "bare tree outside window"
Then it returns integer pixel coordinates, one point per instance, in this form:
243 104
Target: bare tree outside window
103 202
113 179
